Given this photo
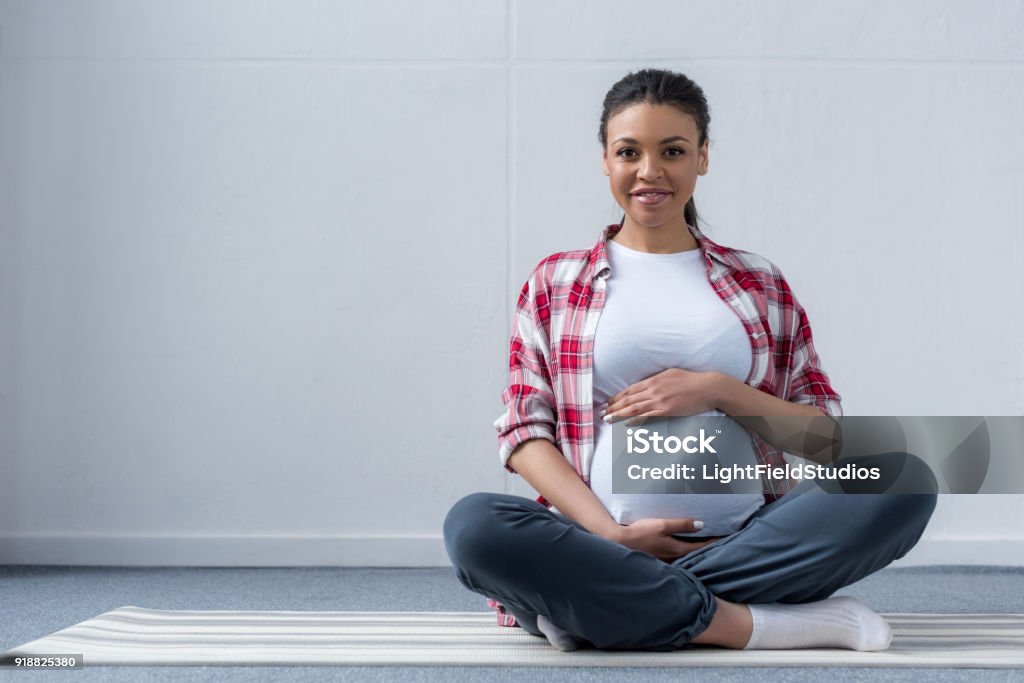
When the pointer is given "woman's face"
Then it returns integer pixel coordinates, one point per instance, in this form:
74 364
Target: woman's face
653 147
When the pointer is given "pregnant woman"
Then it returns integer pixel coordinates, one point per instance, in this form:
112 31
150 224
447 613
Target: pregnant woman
658 320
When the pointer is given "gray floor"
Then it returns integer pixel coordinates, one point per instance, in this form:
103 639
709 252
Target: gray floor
38 600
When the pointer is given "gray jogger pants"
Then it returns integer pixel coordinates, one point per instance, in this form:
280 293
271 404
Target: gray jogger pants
800 548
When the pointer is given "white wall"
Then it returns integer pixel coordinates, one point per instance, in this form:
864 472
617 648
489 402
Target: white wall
258 259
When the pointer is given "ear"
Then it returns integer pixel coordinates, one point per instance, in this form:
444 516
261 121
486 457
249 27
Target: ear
604 162
702 164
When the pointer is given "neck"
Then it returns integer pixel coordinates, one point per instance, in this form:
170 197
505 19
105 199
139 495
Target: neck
669 238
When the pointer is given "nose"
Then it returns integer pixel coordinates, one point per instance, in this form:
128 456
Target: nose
650 168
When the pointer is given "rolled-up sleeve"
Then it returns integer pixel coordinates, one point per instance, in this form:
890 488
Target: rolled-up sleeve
530 405
808 383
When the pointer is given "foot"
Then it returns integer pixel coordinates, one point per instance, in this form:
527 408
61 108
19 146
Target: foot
561 639
843 622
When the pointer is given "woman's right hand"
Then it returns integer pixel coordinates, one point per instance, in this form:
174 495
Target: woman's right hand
654 537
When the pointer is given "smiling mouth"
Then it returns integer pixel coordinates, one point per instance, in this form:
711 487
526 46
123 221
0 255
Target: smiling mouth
651 198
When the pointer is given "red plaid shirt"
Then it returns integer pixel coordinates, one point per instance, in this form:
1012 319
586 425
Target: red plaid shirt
550 391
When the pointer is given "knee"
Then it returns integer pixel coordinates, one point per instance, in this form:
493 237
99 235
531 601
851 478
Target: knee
907 498
914 494
896 507
471 527
909 512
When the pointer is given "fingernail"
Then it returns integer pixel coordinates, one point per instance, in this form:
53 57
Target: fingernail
697 524
607 418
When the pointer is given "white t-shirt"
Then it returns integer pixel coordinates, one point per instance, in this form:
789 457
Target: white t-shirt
660 312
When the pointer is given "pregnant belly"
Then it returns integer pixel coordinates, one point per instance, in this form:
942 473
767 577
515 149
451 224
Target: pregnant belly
722 513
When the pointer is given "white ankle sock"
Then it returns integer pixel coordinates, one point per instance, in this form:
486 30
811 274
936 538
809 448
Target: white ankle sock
842 622
563 640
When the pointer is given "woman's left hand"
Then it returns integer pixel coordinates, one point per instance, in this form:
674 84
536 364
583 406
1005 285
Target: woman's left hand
674 392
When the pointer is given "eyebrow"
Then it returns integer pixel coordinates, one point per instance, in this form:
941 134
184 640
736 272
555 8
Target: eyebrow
663 142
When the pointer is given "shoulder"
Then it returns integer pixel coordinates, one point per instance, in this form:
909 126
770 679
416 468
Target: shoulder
753 269
560 268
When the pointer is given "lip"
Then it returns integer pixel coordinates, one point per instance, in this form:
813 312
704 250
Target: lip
642 190
658 197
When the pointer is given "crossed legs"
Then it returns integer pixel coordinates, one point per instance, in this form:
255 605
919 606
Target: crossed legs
799 549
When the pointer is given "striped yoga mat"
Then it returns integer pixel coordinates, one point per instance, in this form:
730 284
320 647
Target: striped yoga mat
138 636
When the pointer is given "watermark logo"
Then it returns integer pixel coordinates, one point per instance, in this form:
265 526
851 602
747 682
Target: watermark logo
647 441
853 454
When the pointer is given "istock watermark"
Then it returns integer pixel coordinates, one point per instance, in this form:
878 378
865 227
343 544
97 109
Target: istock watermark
648 441
729 454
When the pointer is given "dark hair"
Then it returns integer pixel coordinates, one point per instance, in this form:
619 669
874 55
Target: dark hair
658 86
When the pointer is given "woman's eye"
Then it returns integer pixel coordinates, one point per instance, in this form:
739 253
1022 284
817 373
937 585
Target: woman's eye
675 151
625 152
